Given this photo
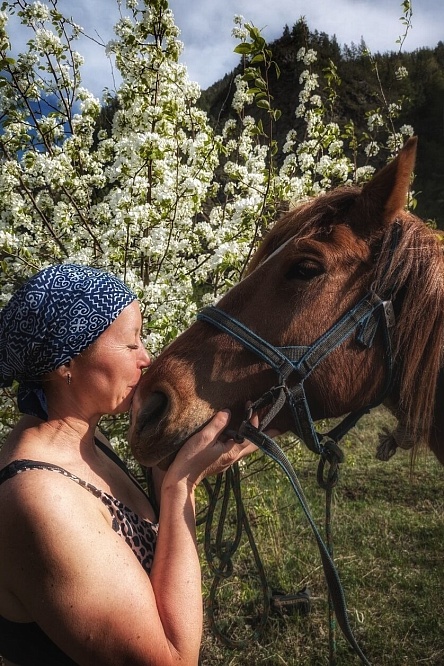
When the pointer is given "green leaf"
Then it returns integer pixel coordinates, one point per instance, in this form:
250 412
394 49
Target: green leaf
243 49
261 94
4 62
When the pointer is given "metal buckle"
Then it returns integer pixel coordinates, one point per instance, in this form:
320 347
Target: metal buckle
389 313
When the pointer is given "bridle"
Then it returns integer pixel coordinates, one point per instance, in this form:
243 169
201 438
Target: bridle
296 363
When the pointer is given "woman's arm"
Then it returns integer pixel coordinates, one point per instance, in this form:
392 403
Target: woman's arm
178 588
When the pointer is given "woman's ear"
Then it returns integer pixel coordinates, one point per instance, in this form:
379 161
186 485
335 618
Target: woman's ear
64 372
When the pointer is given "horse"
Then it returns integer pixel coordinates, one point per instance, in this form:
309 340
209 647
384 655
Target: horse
341 308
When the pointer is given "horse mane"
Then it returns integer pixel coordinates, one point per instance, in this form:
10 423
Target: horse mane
416 269
413 271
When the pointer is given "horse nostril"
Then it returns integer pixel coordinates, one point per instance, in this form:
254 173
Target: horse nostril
154 407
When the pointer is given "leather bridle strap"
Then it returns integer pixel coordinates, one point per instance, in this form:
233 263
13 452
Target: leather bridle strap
364 318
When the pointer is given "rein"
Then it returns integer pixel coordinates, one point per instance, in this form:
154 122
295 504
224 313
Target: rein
363 320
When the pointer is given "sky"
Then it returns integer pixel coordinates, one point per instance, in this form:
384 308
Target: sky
206 27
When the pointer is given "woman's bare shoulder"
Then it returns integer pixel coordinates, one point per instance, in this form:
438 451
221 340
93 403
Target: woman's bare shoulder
40 503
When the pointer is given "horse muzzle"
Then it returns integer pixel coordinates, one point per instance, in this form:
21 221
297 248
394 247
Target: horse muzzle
162 420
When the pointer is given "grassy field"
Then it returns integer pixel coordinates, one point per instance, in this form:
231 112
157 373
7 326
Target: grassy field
388 533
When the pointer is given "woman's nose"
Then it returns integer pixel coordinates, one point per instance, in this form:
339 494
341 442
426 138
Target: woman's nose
145 358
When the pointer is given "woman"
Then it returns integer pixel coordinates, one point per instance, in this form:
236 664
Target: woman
77 533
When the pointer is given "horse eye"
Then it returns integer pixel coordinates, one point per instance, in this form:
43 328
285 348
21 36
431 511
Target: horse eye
304 270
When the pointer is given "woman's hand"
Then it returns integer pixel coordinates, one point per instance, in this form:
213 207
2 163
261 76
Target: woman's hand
176 575
207 452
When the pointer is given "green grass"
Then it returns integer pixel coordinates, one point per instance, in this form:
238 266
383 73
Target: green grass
388 533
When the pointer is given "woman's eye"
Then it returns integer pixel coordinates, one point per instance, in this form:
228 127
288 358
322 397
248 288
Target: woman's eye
133 346
304 270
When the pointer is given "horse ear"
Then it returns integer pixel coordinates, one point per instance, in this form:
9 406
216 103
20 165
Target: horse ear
385 195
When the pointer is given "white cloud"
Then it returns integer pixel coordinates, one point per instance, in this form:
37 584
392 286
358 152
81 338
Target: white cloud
206 32
206 29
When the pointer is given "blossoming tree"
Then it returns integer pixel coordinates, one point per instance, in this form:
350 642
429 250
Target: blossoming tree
160 198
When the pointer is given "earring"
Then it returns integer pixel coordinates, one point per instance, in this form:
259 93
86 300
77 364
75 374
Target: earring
68 378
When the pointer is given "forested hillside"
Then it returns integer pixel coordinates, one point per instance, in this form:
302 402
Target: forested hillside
365 83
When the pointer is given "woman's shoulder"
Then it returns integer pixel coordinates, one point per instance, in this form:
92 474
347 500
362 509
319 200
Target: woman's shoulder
39 490
45 470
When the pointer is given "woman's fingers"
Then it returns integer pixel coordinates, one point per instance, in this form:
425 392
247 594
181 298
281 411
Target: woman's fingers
209 451
249 448
217 424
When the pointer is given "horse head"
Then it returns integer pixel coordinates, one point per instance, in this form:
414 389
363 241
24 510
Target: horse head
311 269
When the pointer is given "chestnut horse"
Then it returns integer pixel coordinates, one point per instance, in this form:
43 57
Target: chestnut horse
342 308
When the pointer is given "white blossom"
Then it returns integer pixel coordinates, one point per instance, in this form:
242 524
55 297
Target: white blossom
401 73
371 149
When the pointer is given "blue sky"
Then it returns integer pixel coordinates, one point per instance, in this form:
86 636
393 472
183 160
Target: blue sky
206 29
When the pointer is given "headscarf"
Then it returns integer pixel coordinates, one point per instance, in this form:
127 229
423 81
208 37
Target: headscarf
51 319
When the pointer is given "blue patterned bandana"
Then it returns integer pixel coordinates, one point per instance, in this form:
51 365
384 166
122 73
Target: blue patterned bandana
51 319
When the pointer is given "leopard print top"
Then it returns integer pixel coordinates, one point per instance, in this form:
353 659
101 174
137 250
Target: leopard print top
139 533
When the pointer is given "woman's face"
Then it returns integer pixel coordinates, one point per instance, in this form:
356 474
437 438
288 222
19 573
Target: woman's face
110 369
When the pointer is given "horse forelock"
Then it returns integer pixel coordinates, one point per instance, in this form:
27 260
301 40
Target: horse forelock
310 218
416 272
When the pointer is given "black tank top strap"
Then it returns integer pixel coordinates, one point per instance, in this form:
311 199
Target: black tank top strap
17 466
23 465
